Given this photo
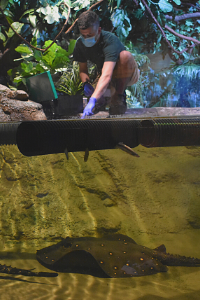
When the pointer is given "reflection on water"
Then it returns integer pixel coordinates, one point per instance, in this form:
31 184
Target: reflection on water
153 199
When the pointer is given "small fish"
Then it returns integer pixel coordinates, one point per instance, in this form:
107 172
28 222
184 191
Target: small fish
66 153
15 271
86 155
127 149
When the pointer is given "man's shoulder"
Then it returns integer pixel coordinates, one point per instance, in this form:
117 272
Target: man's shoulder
108 35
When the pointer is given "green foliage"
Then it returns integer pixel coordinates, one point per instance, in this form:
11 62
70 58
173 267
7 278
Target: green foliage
135 92
191 71
165 6
122 23
33 19
70 82
3 3
35 62
141 59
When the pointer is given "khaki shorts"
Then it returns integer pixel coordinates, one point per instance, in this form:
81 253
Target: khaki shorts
111 88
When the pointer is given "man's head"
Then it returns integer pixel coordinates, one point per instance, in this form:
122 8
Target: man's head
88 19
88 24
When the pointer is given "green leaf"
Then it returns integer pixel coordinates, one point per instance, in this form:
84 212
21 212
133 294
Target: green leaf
34 41
37 55
24 49
9 19
2 37
3 3
48 57
178 2
17 27
27 67
71 47
17 79
33 20
48 43
29 11
50 19
126 23
189 23
39 68
165 6
118 3
9 72
60 61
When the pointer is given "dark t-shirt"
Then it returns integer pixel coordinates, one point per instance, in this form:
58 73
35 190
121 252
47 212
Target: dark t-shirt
107 49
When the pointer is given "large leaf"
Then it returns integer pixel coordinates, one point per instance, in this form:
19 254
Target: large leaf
27 67
49 57
60 61
39 68
71 47
33 20
51 18
37 55
29 11
3 3
48 43
118 3
165 6
23 49
178 2
2 37
17 27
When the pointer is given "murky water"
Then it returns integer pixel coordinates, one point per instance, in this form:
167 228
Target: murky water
154 199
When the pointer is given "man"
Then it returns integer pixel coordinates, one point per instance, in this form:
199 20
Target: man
116 66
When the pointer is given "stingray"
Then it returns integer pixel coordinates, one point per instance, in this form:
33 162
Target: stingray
110 256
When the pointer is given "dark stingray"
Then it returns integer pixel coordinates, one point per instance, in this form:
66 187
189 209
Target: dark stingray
110 256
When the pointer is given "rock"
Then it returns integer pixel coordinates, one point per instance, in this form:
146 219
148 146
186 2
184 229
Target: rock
15 106
18 95
4 90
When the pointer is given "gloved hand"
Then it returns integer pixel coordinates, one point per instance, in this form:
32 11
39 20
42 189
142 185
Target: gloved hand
88 89
89 107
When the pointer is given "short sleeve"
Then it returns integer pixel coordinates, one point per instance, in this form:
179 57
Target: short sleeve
112 48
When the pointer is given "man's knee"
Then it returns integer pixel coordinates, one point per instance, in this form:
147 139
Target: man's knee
125 57
125 66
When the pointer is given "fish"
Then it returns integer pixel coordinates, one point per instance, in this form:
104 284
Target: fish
66 153
86 155
127 149
112 256
15 271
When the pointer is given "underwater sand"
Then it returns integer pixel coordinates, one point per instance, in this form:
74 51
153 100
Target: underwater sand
154 199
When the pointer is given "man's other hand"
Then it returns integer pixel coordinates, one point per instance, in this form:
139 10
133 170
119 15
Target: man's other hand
89 107
88 89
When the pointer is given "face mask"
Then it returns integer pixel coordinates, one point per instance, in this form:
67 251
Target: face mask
89 42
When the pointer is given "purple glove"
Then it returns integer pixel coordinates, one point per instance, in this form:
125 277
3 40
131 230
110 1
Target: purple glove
88 89
89 107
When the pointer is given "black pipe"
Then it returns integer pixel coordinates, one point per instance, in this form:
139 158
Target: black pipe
165 132
8 133
46 137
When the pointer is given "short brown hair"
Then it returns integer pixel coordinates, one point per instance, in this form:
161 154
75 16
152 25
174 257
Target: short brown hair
88 19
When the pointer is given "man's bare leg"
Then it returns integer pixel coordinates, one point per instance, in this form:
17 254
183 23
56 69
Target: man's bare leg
125 73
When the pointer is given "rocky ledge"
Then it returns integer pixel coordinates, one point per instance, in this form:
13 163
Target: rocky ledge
16 106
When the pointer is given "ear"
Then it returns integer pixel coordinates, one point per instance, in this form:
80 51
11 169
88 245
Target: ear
99 30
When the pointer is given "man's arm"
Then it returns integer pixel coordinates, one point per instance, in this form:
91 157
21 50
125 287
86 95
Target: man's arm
83 72
104 80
